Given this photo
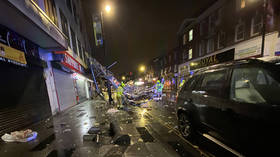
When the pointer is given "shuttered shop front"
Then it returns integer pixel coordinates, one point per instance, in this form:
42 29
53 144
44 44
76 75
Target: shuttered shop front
23 93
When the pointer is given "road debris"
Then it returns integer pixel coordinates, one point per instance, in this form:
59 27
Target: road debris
112 110
66 130
20 136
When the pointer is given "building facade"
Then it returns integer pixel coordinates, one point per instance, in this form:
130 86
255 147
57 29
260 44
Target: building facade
229 30
43 58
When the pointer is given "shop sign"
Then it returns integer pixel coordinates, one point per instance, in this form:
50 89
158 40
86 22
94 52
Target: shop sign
70 62
248 52
11 55
212 60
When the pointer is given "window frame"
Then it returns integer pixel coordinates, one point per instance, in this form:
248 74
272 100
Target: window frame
236 29
221 34
190 53
253 25
223 94
190 34
208 45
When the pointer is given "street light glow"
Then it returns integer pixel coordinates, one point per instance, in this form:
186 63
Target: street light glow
142 68
123 77
108 8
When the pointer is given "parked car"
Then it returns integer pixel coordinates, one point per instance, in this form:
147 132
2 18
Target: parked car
235 104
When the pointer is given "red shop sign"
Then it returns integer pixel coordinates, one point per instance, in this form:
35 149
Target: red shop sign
70 62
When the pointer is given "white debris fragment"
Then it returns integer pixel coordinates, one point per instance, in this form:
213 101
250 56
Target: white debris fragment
112 110
139 148
20 136
140 140
66 130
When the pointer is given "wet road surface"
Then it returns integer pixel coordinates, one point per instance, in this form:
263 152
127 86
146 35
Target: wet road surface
152 133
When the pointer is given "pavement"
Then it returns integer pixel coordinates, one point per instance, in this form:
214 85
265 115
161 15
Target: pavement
152 132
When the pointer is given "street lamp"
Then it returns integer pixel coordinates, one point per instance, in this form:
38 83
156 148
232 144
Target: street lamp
142 68
123 77
108 8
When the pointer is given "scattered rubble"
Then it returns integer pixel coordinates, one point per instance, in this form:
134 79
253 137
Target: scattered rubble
20 136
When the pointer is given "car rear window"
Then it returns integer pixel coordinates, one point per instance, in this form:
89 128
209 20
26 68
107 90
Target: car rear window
255 85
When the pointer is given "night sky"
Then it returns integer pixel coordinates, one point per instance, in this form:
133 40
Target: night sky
138 30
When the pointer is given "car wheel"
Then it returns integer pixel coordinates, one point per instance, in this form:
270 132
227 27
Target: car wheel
185 126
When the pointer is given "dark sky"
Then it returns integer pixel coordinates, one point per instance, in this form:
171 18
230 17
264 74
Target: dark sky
139 30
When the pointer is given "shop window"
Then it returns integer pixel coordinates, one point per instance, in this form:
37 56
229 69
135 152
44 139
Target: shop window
190 54
74 44
239 31
256 24
210 45
69 5
191 35
64 26
50 10
221 39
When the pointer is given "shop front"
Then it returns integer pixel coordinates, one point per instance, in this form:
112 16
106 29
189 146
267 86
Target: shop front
23 92
71 86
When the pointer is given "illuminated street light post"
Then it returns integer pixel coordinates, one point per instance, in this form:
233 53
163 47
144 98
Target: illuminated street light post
108 10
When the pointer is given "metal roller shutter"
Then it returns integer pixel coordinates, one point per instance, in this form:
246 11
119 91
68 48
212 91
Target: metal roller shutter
81 90
24 97
65 89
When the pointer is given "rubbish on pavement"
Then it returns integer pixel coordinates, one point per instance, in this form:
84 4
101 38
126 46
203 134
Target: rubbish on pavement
20 136
66 130
97 138
145 105
89 137
94 130
112 110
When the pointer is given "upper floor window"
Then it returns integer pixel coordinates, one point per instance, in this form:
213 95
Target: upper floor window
190 54
74 44
239 31
185 55
51 10
75 13
191 35
221 39
185 39
242 4
256 24
212 22
69 5
64 25
202 47
210 45
203 27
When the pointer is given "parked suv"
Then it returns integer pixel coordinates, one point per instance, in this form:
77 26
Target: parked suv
234 104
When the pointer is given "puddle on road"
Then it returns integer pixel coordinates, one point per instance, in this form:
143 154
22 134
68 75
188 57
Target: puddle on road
81 114
43 144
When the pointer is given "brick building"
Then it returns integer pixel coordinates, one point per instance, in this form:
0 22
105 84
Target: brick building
229 30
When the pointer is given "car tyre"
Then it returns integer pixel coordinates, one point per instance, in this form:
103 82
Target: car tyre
186 127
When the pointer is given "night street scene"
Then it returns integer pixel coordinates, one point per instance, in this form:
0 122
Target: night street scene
135 78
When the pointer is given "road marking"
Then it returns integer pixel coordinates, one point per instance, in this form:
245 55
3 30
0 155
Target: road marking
222 145
202 153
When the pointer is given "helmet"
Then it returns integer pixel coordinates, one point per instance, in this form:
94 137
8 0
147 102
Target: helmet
158 81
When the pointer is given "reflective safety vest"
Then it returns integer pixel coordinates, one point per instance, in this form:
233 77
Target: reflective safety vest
159 87
119 91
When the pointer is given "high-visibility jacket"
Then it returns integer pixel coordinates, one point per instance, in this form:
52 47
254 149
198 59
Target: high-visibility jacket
159 87
119 91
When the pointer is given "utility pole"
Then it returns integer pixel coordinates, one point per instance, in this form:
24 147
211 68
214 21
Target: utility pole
264 26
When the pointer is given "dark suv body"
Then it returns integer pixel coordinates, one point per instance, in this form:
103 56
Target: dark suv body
236 103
